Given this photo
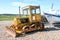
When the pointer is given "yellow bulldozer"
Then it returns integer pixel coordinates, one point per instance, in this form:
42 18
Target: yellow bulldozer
30 20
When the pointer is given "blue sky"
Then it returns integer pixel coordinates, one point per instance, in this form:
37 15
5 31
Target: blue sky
11 6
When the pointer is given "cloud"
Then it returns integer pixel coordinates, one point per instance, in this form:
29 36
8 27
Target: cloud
25 2
18 4
21 4
30 0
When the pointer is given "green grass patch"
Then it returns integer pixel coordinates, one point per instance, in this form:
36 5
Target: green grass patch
5 17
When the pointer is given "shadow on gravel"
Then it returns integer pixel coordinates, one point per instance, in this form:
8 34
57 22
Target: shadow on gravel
56 27
29 33
57 24
51 29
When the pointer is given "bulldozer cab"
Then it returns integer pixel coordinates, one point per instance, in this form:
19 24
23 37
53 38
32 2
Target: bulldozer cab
31 13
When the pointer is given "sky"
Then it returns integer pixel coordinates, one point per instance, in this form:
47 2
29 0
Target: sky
11 6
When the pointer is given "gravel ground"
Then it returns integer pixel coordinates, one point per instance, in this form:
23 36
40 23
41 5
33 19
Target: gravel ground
49 33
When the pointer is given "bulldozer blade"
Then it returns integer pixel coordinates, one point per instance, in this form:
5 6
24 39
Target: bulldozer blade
11 32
